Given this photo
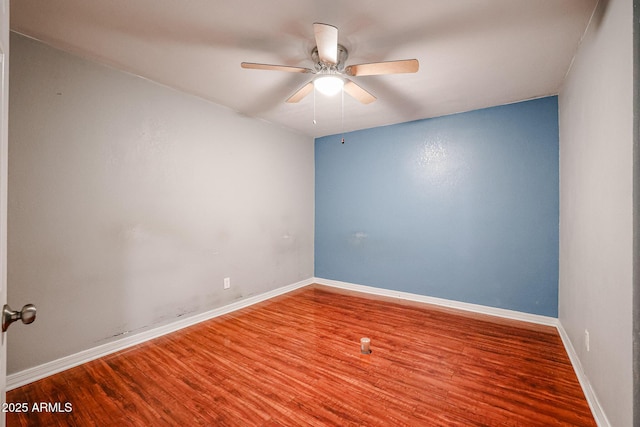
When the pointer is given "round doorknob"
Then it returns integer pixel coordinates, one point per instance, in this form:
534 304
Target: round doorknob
27 315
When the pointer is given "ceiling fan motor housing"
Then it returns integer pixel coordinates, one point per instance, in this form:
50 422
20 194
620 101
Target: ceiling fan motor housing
322 67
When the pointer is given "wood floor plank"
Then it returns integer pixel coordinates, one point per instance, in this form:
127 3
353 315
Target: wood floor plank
295 360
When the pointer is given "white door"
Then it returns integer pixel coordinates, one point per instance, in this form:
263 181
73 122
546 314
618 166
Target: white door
4 134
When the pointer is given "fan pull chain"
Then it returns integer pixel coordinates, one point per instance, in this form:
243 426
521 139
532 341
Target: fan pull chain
342 124
314 104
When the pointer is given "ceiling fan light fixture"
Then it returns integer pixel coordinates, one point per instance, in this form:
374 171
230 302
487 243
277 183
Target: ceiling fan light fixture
328 85
332 77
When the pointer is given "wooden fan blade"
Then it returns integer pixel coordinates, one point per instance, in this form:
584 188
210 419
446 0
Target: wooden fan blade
327 42
255 66
377 68
301 93
358 93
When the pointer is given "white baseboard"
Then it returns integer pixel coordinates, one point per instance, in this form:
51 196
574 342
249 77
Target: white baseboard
38 372
476 308
596 409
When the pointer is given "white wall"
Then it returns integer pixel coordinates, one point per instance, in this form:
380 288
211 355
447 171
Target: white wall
130 202
596 142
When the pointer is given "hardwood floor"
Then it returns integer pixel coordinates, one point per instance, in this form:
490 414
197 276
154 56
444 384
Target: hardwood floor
295 361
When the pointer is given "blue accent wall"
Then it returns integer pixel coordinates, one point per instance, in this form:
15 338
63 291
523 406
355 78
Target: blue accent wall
462 207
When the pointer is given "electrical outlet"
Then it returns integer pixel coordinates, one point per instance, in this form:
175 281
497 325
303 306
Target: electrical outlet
586 340
227 282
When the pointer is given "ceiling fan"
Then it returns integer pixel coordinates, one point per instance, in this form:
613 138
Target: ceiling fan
329 67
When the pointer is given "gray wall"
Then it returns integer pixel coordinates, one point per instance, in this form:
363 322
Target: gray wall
596 141
130 202
636 213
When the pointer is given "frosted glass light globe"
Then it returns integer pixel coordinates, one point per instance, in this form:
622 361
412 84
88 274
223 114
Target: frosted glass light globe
328 85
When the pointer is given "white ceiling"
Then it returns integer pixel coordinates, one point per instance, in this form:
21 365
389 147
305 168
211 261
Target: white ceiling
472 53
